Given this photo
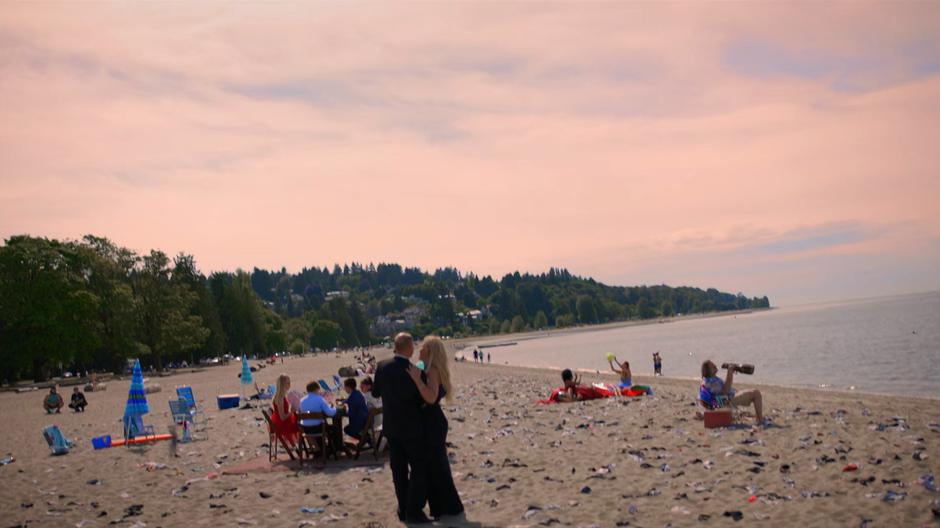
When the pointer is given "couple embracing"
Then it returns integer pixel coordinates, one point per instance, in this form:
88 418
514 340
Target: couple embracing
416 428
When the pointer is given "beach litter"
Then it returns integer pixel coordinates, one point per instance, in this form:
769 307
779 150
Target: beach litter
308 509
894 496
928 482
736 515
7 460
530 511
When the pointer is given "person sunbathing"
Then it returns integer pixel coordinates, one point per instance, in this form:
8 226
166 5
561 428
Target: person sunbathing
573 390
716 393
53 402
622 369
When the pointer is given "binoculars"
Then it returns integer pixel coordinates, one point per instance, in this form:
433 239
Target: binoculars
743 369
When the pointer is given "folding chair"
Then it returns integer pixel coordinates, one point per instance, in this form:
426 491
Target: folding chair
274 439
337 383
324 386
320 438
56 440
368 437
179 409
134 428
198 420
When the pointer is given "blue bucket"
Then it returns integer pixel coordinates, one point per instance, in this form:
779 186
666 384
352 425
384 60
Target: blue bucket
101 442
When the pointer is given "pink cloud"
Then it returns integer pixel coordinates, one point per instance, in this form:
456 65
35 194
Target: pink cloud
489 136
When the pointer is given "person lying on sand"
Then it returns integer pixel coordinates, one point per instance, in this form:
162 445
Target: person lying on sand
622 369
53 402
573 390
716 393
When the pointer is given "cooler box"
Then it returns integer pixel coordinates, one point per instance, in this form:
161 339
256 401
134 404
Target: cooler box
719 418
101 442
228 401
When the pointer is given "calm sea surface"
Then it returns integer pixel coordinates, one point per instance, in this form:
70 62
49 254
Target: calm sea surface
887 345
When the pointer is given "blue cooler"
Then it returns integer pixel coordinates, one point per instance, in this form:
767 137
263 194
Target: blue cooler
101 442
228 401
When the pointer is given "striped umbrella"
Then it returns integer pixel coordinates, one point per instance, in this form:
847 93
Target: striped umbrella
246 371
136 398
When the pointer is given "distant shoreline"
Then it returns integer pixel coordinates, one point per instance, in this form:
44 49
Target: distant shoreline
539 334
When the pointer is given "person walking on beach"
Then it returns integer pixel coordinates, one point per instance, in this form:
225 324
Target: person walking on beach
657 364
434 383
403 426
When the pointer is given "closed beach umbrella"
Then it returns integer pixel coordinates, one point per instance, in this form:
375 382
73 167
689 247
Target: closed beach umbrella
246 371
136 398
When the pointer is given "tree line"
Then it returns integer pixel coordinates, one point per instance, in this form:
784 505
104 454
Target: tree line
91 305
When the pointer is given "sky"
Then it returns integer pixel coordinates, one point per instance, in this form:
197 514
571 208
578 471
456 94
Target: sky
780 149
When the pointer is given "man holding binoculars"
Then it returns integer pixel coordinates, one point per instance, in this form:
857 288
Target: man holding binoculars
717 393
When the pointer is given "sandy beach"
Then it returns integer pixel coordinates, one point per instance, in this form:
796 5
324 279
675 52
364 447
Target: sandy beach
617 462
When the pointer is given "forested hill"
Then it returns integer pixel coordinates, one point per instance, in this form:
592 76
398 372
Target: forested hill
449 302
91 305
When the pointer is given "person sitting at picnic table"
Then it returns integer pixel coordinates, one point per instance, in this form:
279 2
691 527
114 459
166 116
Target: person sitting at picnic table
53 402
365 387
79 402
283 420
715 393
314 403
356 409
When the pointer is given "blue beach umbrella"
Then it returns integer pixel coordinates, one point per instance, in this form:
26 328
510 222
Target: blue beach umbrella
246 371
136 398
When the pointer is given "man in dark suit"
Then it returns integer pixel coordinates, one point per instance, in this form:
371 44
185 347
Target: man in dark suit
401 408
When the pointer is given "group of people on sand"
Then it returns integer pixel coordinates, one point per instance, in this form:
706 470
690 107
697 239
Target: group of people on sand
413 423
53 402
286 403
714 393
479 356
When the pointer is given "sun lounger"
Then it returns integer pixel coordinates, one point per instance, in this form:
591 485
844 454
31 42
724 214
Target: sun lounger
56 440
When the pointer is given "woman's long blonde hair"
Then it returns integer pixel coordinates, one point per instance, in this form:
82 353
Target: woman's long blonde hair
439 360
281 393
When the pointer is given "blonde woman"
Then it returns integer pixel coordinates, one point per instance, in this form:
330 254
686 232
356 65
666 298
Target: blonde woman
283 420
434 383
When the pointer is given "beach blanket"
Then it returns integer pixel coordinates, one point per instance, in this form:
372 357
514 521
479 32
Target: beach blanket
597 391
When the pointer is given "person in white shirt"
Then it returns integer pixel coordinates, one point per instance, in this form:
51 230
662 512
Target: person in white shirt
314 403
365 386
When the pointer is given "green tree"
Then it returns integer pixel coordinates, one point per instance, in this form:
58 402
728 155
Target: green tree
666 308
564 321
505 327
109 268
298 329
168 328
587 311
643 309
297 347
326 334
540 321
48 318
518 324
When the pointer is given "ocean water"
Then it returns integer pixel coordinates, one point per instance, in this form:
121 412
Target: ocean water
887 345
